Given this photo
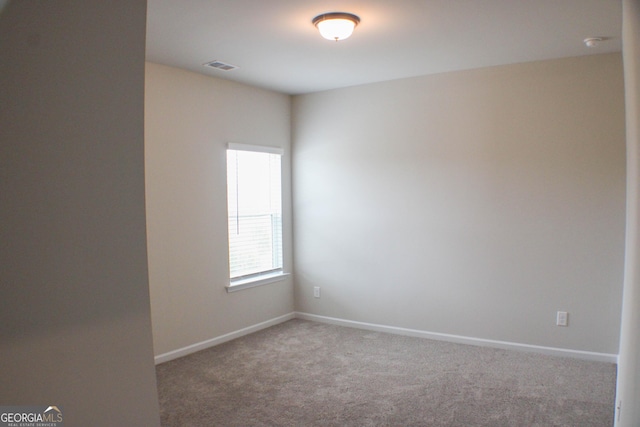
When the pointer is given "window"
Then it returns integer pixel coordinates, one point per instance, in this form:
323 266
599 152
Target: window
254 202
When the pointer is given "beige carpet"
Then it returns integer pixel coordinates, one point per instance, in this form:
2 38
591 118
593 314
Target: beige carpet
303 373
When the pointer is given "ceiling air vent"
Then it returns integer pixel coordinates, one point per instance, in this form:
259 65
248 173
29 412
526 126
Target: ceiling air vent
219 65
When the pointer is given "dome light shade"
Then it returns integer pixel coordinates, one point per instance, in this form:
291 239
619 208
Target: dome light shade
336 26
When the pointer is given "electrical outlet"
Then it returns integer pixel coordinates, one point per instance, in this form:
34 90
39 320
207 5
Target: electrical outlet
316 291
562 318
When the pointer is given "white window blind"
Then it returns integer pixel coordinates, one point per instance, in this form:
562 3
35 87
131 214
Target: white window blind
254 200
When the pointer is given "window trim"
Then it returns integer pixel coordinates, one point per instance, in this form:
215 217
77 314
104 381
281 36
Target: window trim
263 278
255 280
255 148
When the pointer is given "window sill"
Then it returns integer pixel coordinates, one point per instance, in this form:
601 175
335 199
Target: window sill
238 285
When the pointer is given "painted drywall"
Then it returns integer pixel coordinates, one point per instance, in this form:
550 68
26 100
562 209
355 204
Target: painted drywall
189 119
75 327
628 388
475 203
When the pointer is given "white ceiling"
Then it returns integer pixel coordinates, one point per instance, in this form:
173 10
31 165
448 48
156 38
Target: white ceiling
276 47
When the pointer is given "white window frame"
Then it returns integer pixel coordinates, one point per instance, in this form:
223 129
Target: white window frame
263 278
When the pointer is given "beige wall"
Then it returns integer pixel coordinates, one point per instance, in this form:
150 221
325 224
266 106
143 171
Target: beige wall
189 120
75 327
475 203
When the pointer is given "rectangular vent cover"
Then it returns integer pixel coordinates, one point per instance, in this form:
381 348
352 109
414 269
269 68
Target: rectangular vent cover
220 65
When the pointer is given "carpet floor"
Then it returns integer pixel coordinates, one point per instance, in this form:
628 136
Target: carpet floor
302 373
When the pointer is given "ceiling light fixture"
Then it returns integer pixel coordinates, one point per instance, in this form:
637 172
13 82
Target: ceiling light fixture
336 25
592 41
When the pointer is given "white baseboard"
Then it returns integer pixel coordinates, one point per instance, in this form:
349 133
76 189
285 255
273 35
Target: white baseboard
552 351
165 357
